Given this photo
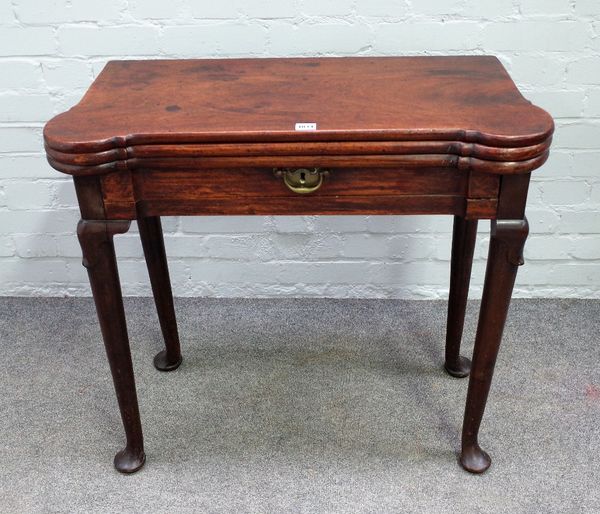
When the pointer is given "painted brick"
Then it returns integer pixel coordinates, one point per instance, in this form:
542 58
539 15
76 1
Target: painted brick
560 104
535 277
67 245
7 246
39 221
581 135
18 107
69 99
482 246
563 192
215 10
25 167
224 224
340 224
587 247
580 222
20 75
35 245
547 7
63 192
576 274
586 164
168 223
206 40
325 7
183 245
61 11
292 223
585 70
132 271
392 38
547 247
234 247
595 194
154 9
418 273
268 9
437 8
326 38
34 271
360 246
593 103
7 15
382 8
294 246
542 220
586 7
595 38
533 71
409 224
345 272
544 36
16 41
559 164
20 139
409 247
489 10
217 271
118 40
188 41
28 195
536 190
67 74
128 246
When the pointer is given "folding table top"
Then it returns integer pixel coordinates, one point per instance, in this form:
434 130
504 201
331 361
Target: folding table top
457 101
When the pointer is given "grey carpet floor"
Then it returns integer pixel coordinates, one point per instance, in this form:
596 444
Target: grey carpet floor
298 406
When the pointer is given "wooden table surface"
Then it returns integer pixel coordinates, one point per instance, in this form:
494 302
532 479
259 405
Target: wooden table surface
350 99
393 135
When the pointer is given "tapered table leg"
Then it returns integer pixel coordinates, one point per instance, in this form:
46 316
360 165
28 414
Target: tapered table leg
463 245
156 260
505 255
96 239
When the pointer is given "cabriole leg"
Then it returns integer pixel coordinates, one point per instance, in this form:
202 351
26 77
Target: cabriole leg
96 239
156 259
463 245
505 256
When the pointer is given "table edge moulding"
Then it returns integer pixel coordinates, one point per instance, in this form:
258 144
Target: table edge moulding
369 135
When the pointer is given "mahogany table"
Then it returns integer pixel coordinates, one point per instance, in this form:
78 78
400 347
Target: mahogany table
395 135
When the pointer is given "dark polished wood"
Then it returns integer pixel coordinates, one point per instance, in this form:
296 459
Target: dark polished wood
463 244
461 99
397 135
505 256
96 239
156 260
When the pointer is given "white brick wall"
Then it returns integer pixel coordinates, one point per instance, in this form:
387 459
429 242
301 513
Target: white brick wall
51 50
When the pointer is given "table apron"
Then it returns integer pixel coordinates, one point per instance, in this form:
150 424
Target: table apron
260 191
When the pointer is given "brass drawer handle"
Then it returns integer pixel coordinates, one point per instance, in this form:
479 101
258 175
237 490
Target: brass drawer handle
302 180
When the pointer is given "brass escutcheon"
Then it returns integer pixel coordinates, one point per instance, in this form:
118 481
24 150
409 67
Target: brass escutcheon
301 180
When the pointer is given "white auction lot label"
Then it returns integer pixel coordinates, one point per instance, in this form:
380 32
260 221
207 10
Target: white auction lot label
306 126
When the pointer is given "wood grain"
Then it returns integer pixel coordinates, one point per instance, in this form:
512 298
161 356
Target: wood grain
244 182
334 205
463 109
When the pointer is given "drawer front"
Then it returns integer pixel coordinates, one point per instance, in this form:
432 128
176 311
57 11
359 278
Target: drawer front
218 183
261 191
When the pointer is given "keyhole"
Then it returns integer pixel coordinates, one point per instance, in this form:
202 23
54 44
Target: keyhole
302 177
